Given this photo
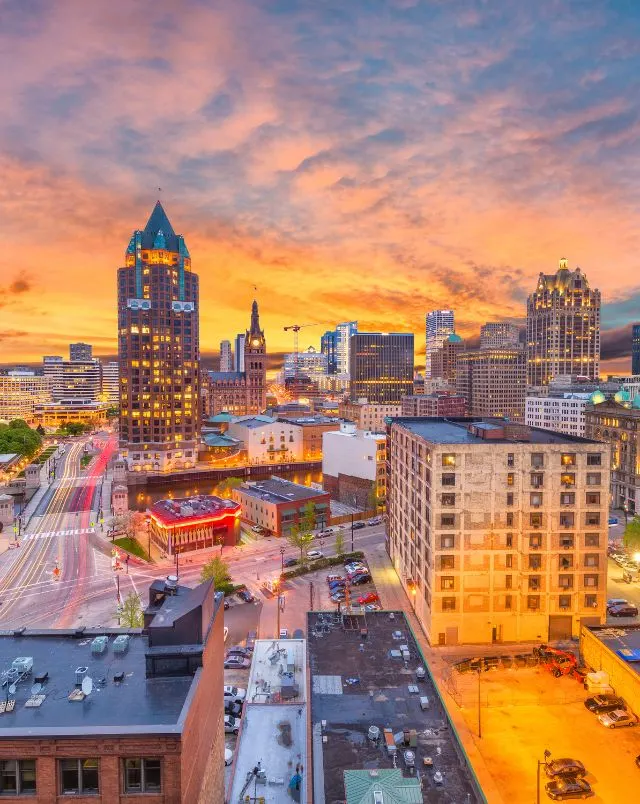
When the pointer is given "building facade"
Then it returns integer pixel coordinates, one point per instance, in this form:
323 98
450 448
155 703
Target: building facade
310 363
266 440
21 391
241 393
562 413
369 415
110 382
498 531
52 415
439 403
563 327
336 345
238 355
278 505
226 358
617 422
182 525
158 350
312 429
499 335
354 466
381 366
493 381
635 349
80 351
438 325
445 358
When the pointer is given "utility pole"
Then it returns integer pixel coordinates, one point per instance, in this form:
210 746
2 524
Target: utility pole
311 590
479 705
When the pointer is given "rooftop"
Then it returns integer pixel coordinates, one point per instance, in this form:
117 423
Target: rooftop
391 787
440 430
623 640
134 705
310 421
277 490
253 422
277 663
192 509
215 376
358 684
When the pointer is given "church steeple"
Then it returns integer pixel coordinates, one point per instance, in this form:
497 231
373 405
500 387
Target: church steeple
255 320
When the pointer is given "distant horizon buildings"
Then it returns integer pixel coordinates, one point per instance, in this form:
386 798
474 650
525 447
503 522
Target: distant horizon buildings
438 325
635 349
226 357
336 345
563 327
238 354
158 350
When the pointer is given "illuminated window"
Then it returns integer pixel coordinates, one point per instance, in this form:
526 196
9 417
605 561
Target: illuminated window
448 460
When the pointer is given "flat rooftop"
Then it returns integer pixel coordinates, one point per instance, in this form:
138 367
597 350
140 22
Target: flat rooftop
277 662
623 640
135 705
357 683
192 509
441 430
276 490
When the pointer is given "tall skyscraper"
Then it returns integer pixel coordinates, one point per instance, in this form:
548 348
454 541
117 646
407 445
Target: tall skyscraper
499 335
238 356
439 324
444 359
80 351
635 349
563 327
493 382
158 349
328 348
336 345
226 358
381 366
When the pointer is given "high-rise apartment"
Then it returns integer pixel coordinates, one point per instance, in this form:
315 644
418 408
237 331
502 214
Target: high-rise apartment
158 349
309 363
336 345
499 335
381 366
498 531
80 351
635 349
226 358
238 356
563 327
439 324
493 382
444 359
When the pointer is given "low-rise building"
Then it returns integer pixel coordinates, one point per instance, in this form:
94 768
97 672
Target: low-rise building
367 415
278 505
54 414
20 391
498 531
184 524
438 403
117 715
615 651
266 440
563 413
312 429
354 466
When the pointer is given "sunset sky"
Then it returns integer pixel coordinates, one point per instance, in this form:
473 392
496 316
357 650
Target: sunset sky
352 159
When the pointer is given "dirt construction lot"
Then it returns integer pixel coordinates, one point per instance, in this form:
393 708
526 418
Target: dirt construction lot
526 711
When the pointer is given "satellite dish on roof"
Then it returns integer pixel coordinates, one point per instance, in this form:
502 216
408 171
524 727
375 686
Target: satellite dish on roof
87 685
36 688
12 689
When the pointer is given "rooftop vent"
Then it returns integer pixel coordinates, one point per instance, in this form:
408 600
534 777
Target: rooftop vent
22 664
118 678
41 678
378 797
81 672
171 583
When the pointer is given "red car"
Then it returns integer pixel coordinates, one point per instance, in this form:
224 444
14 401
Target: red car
370 598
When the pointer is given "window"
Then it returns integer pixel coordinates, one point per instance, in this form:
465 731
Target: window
567 520
509 522
567 498
567 479
448 479
79 776
565 562
534 582
564 601
447 583
535 542
448 604
448 499
591 580
566 541
535 499
508 560
568 459
17 777
593 498
449 460
592 540
535 520
508 581
592 560
447 542
511 460
535 562
533 602
537 480
565 581
447 520
511 479
594 459
509 539
591 601
142 775
510 498
507 601
594 479
447 562
592 518
537 460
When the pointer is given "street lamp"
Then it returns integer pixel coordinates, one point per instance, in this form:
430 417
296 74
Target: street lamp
547 754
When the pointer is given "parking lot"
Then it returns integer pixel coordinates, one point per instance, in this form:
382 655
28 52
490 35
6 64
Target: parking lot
526 711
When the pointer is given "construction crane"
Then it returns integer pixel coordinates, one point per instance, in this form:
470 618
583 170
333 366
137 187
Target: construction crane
296 329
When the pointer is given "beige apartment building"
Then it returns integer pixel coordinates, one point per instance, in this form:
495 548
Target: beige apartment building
498 531
493 382
370 416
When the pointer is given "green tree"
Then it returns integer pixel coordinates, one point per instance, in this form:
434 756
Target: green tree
226 486
301 535
130 612
217 570
40 430
18 437
339 544
631 538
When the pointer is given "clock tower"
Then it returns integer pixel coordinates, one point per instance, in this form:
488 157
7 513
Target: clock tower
255 365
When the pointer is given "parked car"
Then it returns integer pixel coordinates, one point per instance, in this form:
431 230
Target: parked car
613 520
617 601
234 693
324 533
314 555
290 562
246 595
251 640
338 596
228 756
604 703
239 650
354 566
359 524
232 708
372 607
566 788
333 576
618 719
565 766
370 598
237 662
334 585
226 604
627 610
362 578
231 724
257 528
375 520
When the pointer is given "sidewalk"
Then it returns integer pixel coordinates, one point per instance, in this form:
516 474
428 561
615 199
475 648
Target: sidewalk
392 596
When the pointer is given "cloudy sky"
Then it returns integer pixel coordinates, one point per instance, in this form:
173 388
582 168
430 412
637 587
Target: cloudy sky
369 160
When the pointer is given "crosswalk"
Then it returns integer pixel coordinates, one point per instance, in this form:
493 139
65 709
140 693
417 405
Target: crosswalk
49 534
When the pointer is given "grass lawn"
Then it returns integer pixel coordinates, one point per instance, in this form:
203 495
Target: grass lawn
85 460
132 546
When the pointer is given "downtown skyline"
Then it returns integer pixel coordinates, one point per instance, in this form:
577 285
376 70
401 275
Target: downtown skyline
369 163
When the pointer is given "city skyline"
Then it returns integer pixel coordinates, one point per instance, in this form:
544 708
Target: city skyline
355 192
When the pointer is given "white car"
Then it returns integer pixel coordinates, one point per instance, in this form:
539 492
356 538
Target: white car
315 554
231 724
234 693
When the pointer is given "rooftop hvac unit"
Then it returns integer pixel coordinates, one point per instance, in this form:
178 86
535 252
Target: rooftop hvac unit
81 672
99 645
121 644
23 664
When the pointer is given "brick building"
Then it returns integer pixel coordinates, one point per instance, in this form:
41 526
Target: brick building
194 523
277 505
367 415
439 403
150 729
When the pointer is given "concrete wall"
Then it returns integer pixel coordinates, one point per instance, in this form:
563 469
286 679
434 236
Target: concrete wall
623 678
349 454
